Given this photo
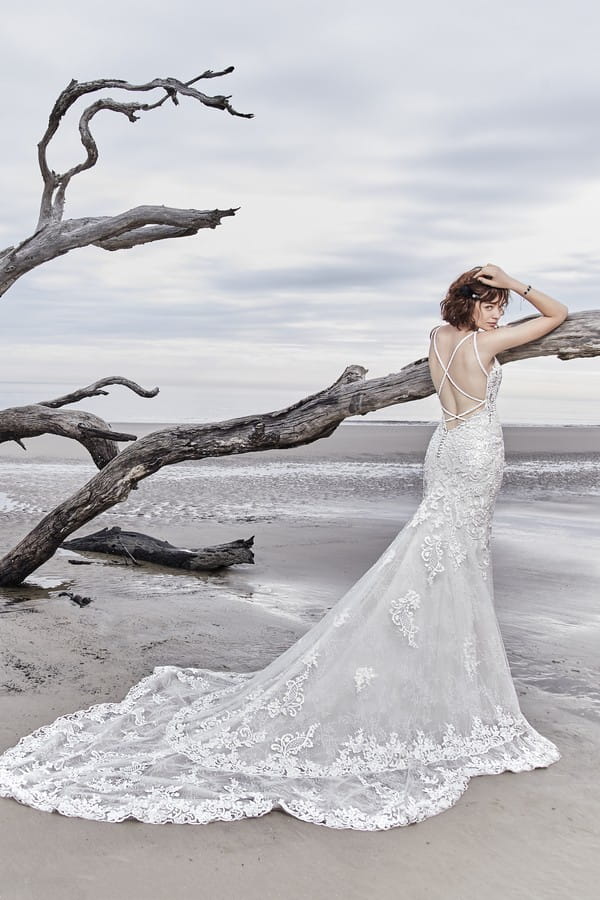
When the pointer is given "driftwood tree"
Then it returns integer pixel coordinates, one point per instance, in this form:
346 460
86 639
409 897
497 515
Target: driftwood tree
54 236
310 419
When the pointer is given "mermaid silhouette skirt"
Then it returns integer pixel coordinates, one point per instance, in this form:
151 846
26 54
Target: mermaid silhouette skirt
377 717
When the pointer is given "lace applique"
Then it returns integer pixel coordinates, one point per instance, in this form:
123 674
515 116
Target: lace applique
293 699
363 677
429 509
470 657
291 744
361 752
402 611
431 554
456 551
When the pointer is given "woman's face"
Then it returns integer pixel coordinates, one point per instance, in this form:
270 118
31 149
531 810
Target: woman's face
487 315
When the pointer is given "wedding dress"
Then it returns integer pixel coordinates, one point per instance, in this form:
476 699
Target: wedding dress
377 717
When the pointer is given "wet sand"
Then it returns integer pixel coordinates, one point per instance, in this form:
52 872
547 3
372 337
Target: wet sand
57 657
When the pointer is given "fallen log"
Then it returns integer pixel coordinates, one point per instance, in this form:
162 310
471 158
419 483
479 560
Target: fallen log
136 546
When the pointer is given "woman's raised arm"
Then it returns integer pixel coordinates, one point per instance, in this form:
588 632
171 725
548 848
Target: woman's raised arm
553 312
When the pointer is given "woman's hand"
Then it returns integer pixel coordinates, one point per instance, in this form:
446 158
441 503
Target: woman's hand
494 276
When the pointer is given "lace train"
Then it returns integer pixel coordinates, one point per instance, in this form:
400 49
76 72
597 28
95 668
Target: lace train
377 717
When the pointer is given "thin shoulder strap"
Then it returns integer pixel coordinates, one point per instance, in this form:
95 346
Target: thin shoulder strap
483 369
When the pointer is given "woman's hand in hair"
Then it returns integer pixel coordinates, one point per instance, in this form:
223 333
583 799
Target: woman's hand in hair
494 276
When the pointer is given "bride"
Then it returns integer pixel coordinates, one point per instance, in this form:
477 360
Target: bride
382 712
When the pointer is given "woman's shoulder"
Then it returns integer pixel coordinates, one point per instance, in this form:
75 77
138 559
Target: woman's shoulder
445 329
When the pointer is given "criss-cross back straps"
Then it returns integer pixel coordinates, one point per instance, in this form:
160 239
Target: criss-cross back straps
445 368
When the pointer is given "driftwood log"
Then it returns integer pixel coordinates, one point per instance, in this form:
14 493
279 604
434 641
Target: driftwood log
47 417
135 546
54 236
308 420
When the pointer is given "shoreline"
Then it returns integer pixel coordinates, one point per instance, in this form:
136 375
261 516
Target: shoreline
354 440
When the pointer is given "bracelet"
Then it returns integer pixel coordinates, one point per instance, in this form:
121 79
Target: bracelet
527 289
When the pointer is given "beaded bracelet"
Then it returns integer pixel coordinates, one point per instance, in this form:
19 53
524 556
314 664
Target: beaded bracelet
527 289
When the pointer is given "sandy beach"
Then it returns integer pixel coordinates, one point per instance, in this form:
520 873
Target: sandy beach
321 515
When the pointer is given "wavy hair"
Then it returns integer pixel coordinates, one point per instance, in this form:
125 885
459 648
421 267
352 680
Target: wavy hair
458 308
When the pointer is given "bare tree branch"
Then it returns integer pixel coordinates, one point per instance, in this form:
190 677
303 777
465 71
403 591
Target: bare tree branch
121 231
308 420
145 235
95 390
55 185
54 236
89 430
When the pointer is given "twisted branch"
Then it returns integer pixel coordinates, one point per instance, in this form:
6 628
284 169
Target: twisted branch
95 390
55 236
89 430
55 185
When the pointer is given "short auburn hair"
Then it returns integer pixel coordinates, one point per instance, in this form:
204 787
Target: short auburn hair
458 308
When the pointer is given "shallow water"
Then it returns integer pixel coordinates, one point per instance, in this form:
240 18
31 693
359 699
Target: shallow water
239 490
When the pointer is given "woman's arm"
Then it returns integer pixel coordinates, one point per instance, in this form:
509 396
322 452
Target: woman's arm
553 312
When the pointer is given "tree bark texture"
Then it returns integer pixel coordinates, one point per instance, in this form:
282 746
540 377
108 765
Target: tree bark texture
90 431
308 420
136 546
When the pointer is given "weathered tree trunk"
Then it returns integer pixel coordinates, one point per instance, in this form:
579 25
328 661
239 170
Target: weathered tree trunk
315 417
135 546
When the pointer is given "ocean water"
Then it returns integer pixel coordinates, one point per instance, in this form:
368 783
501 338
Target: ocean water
239 489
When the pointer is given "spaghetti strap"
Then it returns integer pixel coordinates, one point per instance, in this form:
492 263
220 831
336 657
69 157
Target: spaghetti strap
483 368
448 377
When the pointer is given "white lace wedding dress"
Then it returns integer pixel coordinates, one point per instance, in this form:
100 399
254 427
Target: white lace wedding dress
377 717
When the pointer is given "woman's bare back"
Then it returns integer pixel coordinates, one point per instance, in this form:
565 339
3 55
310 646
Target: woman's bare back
458 374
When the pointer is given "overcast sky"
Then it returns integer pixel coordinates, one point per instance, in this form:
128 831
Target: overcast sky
394 145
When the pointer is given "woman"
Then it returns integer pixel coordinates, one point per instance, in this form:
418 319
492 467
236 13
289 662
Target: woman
380 714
